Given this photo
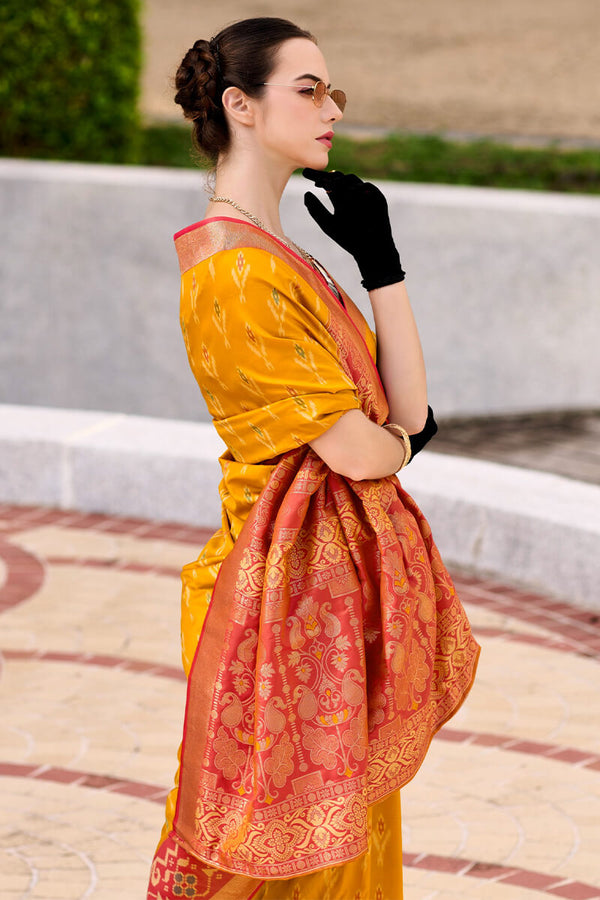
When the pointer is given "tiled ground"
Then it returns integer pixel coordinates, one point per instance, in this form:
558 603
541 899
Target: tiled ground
506 806
566 443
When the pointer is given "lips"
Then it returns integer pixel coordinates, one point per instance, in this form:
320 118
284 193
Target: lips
326 139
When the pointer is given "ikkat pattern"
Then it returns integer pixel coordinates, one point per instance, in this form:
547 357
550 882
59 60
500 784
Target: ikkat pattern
322 637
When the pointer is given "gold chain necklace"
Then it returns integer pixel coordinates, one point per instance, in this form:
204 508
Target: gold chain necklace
257 221
290 244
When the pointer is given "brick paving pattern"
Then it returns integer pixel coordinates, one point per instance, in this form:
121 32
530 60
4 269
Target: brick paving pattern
506 806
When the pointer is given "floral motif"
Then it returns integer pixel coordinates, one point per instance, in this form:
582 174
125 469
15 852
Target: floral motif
323 746
354 739
371 634
396 627
377 705
279 838
357 815
242 683
228 758
304 672
339 660
279 764
264 688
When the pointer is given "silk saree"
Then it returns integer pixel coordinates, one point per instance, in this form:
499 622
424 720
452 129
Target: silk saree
322 638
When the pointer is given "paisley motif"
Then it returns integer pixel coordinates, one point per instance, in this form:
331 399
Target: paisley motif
332 643
285 697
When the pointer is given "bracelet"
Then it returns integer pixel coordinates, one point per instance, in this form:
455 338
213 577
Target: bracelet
402 434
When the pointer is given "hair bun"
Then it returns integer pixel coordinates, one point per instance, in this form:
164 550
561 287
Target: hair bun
242 56
196 81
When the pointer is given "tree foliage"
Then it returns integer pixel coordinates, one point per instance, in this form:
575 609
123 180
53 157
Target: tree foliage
69 79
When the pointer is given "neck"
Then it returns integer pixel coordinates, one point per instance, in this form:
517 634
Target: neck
254 184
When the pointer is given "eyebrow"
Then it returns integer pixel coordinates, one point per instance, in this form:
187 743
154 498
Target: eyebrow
308 75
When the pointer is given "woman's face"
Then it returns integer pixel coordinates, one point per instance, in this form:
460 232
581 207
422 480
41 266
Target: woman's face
289 127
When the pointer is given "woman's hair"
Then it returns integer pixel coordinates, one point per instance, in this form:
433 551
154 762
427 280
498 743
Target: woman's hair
243 55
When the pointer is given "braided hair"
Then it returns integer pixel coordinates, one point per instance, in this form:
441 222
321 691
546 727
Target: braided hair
243 55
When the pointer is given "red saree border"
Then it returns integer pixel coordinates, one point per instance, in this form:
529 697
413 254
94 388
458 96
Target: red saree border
184 253
176 874
419 659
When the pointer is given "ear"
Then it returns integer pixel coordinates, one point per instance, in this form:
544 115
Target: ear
238 105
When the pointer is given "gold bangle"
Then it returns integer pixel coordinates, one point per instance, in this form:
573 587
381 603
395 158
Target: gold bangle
402 434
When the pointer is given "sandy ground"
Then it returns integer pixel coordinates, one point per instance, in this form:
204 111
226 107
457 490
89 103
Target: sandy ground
514 67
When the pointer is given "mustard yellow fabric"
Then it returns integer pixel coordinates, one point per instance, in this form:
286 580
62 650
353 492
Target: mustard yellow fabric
268 368
258 344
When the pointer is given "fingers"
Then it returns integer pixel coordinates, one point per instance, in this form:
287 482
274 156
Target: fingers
320 214
318 175
331 181
349 195
312 174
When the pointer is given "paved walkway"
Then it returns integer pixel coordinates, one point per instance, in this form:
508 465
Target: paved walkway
506 807
565 443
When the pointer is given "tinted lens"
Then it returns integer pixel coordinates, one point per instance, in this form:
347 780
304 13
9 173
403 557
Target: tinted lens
319 93
339 98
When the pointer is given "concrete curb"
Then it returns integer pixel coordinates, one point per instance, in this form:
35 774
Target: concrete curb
517 525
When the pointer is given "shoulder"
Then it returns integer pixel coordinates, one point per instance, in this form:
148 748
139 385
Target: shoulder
218 240
248 274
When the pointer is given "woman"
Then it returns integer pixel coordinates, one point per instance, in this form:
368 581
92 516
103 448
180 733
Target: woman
332 645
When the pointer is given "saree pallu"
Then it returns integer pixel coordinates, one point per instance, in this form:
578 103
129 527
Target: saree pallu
322 636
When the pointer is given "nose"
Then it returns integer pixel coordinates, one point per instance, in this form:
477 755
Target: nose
332 112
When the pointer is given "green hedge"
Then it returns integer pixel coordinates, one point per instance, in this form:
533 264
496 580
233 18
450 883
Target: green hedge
69 79
405 157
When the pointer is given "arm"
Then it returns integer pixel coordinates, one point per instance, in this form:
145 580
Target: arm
357 448
399 356
360 224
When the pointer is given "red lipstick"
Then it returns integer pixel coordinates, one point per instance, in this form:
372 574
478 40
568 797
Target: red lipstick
326 139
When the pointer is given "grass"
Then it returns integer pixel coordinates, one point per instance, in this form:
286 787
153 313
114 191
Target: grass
421 158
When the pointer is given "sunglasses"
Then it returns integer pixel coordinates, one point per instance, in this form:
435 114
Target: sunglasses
319 91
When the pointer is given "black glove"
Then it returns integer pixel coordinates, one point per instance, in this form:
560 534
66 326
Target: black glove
418 441
359 223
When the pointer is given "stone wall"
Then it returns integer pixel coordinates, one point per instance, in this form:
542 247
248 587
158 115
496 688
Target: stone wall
505 286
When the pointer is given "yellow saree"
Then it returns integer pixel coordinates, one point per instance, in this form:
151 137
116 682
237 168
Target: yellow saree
322 637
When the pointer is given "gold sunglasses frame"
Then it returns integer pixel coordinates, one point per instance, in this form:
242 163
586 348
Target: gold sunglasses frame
327 92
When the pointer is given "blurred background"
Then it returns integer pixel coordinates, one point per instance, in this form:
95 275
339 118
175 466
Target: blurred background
523 73
481 122
455 93
513 68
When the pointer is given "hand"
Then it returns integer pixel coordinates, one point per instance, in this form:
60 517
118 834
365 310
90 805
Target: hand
359 223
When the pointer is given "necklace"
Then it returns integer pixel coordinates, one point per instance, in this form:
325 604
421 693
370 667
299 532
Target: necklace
261 225
290 244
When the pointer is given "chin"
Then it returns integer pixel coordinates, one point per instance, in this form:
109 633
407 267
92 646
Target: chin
314 162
